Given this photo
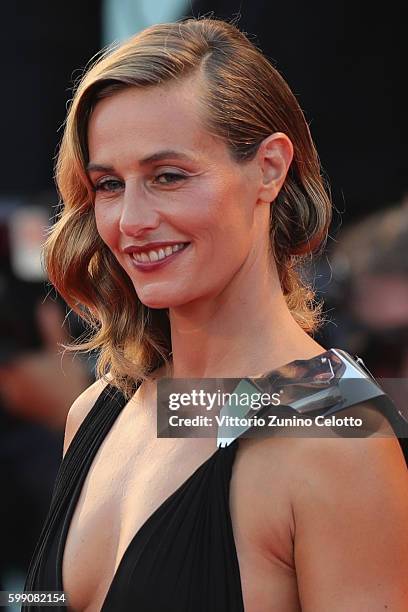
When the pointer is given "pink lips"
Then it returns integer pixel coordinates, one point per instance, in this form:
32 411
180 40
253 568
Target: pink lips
150 266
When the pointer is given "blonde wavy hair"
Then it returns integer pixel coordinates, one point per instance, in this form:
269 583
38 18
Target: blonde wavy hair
246 100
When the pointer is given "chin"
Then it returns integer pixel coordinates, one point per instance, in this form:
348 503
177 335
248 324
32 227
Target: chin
160 301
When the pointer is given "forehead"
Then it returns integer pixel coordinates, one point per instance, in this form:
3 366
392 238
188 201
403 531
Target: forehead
139 121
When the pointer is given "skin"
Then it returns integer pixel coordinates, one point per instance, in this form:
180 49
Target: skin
222 208
319 524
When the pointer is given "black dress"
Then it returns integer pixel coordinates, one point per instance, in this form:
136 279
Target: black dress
183 558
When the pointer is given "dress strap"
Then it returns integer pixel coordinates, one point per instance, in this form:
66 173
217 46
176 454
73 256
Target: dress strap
325 384
73 468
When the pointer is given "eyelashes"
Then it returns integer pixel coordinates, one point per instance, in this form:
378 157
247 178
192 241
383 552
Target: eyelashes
110 185
174 178
106 185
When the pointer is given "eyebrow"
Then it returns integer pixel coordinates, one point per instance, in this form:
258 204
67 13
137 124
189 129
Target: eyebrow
159 156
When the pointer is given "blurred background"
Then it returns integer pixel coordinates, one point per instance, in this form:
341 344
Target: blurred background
344 61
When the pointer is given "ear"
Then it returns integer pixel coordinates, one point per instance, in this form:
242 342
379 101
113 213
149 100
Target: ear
274 156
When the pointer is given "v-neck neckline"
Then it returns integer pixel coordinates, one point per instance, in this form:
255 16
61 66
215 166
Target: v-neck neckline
156 512
231 447
69 517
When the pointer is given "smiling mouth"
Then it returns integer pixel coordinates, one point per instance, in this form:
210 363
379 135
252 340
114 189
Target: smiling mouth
155 258
159 254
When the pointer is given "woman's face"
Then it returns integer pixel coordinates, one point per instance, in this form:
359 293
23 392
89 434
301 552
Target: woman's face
160 176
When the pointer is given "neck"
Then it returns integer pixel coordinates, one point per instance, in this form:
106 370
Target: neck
238 333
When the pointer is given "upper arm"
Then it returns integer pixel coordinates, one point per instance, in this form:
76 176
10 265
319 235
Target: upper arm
350 504
79 410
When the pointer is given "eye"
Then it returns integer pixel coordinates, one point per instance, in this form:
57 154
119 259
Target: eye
167 178
108 185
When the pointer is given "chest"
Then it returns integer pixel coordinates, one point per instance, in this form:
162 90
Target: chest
130 477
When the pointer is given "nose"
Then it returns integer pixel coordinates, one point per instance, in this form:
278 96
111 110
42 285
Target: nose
137 213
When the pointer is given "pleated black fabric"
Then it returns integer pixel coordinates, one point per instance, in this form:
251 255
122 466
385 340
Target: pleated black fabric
182 559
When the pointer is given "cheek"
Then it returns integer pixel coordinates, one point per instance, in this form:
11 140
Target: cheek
106 225
223 232
215 205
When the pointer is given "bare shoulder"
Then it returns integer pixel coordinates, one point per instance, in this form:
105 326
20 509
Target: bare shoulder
337 508
80 408
349 463
336 451
350 502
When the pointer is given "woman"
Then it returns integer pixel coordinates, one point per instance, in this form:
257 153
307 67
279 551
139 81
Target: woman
192 191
